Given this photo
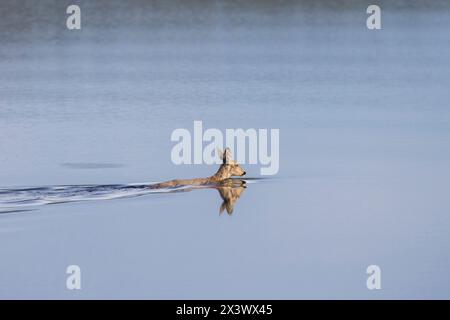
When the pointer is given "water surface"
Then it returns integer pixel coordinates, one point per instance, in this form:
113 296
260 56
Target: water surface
364 158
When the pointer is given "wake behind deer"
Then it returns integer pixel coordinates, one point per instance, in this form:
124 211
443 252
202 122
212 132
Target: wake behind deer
19 199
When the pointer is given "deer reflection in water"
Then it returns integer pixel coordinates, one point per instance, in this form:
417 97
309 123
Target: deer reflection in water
230 190
230 195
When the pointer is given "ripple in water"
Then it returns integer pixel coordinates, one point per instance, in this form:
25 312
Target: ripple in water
14 198
18 199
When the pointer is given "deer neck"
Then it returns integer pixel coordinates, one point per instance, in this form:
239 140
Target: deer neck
220 175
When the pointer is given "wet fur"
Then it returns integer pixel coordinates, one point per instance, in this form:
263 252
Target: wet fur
229 168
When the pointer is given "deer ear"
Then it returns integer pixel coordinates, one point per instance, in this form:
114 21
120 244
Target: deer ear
227 156
220 153
222 207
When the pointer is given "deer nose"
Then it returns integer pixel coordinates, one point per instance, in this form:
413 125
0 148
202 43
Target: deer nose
244 173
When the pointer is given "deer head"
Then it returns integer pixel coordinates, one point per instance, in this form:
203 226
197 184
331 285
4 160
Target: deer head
229 167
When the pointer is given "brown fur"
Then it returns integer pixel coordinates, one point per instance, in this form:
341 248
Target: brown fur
229 168
230 190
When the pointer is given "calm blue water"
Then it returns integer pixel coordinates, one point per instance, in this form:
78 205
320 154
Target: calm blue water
364 125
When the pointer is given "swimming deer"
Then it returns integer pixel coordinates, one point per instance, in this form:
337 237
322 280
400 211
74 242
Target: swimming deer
229 168
229 189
